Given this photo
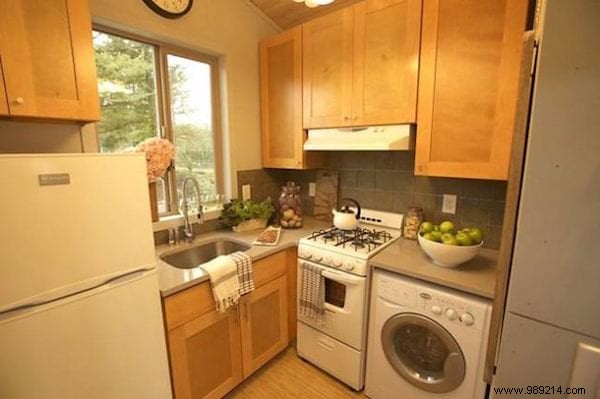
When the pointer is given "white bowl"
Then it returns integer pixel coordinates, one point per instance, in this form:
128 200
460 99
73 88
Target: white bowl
448 255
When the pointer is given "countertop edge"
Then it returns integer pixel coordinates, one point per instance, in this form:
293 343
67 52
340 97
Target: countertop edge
426 278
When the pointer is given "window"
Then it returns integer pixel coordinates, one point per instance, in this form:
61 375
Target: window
149 89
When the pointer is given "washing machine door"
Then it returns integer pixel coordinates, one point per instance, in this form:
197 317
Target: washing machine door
423 352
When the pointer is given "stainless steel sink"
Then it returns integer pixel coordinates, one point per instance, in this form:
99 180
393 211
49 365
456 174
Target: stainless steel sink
203 252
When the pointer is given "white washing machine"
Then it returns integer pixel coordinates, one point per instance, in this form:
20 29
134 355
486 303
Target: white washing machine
425 341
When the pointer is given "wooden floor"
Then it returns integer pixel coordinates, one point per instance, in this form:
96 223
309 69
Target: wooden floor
287 376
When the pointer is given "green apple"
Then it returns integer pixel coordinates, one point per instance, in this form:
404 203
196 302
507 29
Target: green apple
446 226
476 235
451 240
447 236
429 236
436 227
437 236
464 239
427 227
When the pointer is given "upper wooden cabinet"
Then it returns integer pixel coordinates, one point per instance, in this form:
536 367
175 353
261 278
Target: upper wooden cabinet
3 103
281 103
361 65
468 86
48 60
327 77
386 61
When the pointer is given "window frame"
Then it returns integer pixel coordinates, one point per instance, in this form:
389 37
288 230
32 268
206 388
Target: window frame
164 112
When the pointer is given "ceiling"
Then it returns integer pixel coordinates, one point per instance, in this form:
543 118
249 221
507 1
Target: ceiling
287 13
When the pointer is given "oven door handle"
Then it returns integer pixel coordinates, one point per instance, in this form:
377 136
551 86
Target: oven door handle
342 278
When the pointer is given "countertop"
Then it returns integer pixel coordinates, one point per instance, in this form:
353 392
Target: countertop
172 280
403 256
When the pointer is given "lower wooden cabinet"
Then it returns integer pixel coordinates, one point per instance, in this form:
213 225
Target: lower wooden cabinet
205 354
211 352
264 324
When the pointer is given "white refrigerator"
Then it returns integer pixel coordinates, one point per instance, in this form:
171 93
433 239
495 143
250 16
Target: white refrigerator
80 311
551 331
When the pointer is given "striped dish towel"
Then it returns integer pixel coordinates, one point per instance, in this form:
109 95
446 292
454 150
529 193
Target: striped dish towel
312 292
224 281
245 272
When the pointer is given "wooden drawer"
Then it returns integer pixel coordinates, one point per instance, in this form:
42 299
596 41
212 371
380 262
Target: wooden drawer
195 301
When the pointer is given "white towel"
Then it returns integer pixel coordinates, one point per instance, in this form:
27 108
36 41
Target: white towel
312 292
224 281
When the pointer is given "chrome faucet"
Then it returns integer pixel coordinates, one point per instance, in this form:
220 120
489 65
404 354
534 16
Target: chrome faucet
188 229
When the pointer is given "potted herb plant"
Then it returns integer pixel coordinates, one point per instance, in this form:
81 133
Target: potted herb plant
246 215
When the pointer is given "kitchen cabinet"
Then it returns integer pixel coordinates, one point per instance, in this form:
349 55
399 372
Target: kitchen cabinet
281 103
327 44
387 37
264 324
468 87
48 60
3 103
210 353
205 355
361 65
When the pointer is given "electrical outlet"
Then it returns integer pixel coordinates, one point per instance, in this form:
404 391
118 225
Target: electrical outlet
449 204
246 192
312 189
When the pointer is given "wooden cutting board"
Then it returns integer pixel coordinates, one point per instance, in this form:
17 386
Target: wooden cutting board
326 194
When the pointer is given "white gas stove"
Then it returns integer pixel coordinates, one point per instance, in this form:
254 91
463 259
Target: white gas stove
349 250
336 343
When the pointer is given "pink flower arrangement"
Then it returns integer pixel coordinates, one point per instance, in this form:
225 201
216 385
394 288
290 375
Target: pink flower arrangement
159 155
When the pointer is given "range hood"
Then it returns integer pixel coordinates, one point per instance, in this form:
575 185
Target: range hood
374 138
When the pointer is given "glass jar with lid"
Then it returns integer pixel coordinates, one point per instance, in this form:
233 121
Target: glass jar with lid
290 207
412 222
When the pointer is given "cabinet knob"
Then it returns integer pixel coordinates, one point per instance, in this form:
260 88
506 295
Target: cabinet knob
20 100
346 118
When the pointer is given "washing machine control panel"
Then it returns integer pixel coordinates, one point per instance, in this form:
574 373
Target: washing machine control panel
441 304
450 309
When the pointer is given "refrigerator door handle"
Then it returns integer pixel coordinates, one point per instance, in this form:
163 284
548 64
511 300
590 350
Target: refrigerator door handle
103 284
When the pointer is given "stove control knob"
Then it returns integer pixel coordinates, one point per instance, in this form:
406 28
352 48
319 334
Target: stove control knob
327 260
451 314
467 319
317 257
337 263
349 266
305 255
436 310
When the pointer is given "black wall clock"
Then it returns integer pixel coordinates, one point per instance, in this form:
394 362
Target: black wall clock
170 8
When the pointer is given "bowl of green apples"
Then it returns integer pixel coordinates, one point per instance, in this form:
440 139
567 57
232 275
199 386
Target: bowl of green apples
448 246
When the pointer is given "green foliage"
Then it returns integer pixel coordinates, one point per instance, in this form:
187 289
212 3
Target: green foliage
238 211
127 85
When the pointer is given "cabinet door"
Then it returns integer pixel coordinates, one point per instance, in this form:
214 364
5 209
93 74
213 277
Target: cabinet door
264 324
327 74
281 100
3 103
206 357
386 61
48 59
468 86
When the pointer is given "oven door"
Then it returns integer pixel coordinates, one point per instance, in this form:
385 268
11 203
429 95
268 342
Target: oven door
345 295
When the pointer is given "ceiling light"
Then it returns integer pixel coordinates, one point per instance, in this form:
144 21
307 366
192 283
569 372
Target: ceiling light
315 3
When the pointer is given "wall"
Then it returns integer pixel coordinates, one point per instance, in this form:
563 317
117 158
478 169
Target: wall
230 29
386 181
36 137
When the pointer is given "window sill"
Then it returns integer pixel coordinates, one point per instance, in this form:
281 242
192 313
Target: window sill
171 221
